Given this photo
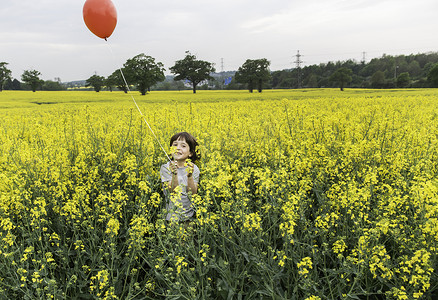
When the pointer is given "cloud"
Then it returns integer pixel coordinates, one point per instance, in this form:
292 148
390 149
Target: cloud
51 35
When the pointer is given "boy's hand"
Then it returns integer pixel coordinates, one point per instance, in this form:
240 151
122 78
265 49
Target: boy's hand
173 167
189 168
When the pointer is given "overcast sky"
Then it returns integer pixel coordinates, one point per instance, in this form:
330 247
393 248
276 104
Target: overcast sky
50 35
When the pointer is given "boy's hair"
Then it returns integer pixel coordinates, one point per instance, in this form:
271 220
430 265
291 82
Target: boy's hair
190 140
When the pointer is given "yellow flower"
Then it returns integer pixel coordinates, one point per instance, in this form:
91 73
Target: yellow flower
112 227
304 265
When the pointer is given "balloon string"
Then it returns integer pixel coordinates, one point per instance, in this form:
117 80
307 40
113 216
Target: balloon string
138 108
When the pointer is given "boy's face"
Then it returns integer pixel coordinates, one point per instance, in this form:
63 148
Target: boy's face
182 149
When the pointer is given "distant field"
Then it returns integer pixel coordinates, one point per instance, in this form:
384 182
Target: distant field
304 194
10 99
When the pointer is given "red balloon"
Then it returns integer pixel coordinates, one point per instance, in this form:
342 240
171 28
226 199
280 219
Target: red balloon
100 16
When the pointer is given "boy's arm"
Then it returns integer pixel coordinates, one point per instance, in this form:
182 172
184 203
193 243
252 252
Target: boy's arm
192 182
173 183
169 177
192 186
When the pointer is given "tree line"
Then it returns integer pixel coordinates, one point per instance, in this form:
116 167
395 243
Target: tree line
30 80
143 74
402 71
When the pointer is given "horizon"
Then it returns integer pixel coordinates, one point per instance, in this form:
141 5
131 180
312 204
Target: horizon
286 69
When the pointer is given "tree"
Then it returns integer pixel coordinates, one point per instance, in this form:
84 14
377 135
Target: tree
143 71
414 69
116 79
254 72
170 84
378 80
192 69
12 84
50 85
432 76
32 78
5 74
96 81
403 80
312 81
109 83
342 77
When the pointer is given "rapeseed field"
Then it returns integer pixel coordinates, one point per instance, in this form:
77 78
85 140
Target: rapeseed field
303 194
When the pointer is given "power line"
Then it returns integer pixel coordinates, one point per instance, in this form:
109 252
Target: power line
298 63
298 60
313 58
